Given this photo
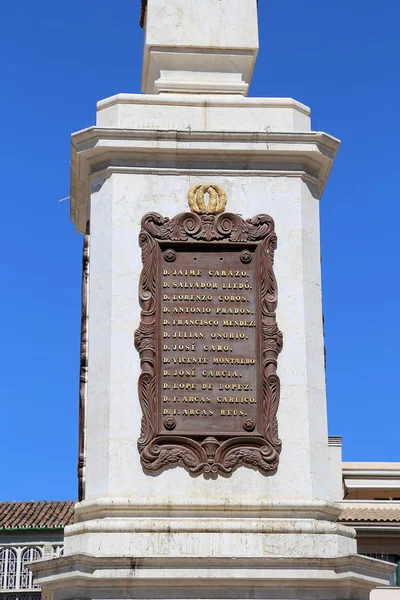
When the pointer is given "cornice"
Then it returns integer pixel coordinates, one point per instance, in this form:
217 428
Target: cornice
82 570
179 525
93 133
125 562
307 155
203 100
371 469
164 506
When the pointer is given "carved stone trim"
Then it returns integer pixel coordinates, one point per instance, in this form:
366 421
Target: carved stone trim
210 454
83 366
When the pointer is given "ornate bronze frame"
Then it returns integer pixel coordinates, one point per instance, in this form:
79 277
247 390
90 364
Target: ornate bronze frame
209 455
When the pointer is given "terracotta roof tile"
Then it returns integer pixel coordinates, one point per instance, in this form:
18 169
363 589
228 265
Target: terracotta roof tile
368 514
27 515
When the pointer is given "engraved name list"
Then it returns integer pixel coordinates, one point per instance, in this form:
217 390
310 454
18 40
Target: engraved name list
209 324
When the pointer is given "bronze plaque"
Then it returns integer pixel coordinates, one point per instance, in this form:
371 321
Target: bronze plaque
208 342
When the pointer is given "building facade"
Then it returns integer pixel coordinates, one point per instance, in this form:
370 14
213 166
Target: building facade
29 531
370 495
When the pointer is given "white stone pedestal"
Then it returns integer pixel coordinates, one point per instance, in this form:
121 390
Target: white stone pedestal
174 535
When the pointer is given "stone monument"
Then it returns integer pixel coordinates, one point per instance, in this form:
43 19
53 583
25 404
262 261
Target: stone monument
203 463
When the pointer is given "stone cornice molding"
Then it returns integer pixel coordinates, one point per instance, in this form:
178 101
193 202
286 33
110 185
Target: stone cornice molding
125 562
393 473
111 573
167 506
95 149
179 525
203 100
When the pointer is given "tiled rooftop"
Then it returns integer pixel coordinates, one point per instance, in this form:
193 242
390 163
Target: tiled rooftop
28 515
371 513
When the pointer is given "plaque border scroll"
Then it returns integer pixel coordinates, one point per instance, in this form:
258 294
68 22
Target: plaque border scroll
209 455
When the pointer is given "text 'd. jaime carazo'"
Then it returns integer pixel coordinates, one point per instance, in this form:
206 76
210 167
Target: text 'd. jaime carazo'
208 343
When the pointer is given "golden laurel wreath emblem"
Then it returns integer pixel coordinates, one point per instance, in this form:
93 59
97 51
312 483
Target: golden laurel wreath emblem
216 203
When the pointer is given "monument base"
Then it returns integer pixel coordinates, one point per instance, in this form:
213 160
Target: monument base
202 554
89 577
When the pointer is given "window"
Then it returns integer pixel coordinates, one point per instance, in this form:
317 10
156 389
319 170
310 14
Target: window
58 551
8 568
14 571
25 575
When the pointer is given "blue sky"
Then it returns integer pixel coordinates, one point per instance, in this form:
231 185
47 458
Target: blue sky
57 60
